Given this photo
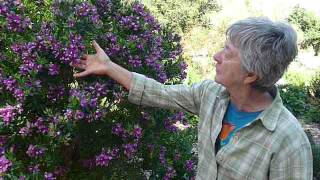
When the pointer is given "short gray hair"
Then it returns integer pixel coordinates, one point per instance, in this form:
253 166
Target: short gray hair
266 48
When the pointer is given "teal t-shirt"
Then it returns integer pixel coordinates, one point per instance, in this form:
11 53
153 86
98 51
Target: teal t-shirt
233 120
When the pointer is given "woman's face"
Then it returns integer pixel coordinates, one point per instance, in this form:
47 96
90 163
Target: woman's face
228 69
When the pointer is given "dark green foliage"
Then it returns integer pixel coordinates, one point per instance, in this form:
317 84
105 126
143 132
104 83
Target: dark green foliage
298 101
315 86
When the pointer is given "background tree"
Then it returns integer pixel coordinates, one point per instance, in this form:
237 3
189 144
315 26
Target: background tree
309 23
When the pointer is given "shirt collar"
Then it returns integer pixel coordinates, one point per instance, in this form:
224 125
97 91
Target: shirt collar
269 117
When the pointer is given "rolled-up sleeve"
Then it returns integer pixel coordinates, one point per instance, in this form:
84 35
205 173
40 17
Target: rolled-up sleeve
148 92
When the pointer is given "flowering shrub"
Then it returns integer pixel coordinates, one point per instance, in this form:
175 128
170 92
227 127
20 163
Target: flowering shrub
53 126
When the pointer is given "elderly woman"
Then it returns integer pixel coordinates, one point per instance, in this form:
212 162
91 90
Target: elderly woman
244 132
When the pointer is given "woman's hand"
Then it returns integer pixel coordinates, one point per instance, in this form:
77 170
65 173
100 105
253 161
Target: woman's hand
93 64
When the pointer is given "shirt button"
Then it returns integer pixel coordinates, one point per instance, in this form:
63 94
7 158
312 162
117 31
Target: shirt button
220 158
236 137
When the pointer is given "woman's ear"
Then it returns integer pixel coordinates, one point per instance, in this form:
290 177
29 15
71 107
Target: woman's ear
250 78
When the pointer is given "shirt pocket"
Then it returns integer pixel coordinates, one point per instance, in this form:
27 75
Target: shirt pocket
245 159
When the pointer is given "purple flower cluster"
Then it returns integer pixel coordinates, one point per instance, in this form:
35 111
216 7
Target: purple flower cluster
4 8
72 52
88 99
11 85
16 23
137 133
113 48
27 53
25 131
189 165
170 173
131 36
53 69
55 93
7 114
130 22
129 149
86 10
41 126
104 7
34 151
45 42
170 121
118 130
148 18
4 164
162 155
183 66
34 169
104 158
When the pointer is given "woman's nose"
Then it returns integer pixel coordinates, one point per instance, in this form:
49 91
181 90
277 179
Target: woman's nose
217 57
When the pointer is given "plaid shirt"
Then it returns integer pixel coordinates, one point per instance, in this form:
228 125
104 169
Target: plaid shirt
274 146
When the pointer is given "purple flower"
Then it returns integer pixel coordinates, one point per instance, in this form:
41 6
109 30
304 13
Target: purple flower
129 149
71 22
134 61
103 159
3 9
34 169
68 114
83 9
53 69
79 115
104 6
34 151
170 173
162 155
49 176
4 164
55 93
86 10
2 151
10 84
16 24
189 165
97 114
25 131
117 129
115 152
130 22
137 133
183 66
41 126
162 77
83 102
7 114
71 53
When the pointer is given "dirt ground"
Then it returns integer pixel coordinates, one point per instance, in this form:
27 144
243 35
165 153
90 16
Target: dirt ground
314 130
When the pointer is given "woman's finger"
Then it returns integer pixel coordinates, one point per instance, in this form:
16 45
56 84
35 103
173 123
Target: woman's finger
80 65
81 74
96 46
